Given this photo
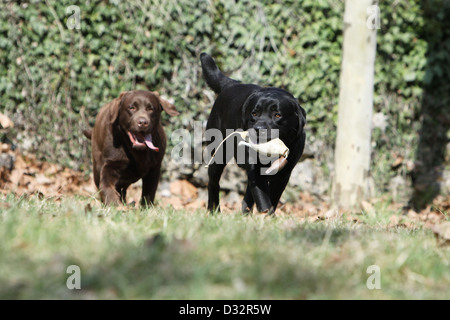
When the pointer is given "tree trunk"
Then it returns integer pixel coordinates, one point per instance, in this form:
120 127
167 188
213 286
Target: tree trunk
352 154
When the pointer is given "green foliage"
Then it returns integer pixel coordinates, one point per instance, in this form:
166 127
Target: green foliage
53 80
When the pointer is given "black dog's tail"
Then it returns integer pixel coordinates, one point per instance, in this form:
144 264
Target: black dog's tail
215 79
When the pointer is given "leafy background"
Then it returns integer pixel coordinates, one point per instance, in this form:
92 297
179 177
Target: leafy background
53 80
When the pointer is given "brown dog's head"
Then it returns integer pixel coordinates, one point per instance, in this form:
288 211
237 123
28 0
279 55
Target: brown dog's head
138 115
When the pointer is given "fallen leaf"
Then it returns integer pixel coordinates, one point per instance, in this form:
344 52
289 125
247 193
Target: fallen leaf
394 220
4 205
183 188
397 162
412 214
5 121
332 213
367 206
442 232
194 205
4 147
42 179
16 177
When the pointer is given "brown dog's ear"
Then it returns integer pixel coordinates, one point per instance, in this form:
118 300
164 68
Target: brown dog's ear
88 133
116 104
122 94
168 107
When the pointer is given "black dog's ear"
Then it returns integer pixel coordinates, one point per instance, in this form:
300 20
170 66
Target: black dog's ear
301 114
302 117
248 105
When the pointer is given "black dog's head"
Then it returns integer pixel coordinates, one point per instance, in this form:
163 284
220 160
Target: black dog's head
271 113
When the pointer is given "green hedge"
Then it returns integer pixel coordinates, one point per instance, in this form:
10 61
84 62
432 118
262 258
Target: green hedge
53 80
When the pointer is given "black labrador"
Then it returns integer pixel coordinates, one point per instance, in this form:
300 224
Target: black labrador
265 112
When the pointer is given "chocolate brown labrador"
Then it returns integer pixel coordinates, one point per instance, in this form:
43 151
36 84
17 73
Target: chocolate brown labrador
128 144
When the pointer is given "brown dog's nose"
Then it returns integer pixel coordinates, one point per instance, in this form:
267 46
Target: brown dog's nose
142 122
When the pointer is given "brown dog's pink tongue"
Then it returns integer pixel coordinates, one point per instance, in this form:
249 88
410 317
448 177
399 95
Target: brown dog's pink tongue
149 142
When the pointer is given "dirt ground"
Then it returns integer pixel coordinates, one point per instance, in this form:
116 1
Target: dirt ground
51 181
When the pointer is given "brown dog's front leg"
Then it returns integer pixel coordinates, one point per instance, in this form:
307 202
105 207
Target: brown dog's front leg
107 186
149 186
110 196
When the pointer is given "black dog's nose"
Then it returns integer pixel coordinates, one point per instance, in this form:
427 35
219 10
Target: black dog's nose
260 129
260 133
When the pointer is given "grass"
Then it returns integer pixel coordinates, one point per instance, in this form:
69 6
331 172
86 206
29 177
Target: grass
163 253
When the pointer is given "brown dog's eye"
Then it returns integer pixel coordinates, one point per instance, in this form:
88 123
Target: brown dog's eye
278 115
131 107
149 108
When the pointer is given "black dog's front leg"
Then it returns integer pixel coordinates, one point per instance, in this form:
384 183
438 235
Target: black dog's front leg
247 202
214 173
277 186
259 188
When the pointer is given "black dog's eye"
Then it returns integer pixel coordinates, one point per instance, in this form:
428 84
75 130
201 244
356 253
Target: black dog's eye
277 115
254 114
